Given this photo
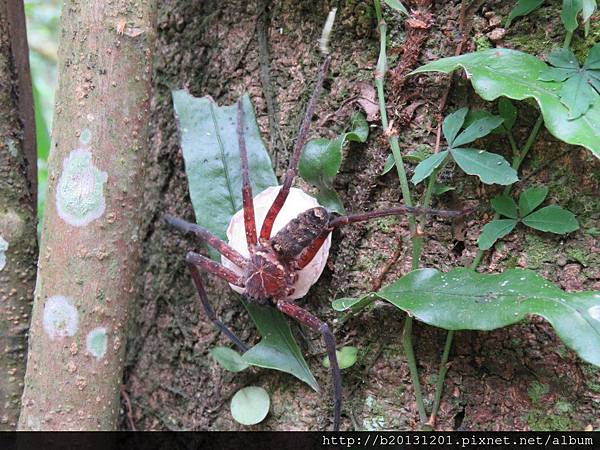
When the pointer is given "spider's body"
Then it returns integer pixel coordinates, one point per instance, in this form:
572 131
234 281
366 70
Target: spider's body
271 272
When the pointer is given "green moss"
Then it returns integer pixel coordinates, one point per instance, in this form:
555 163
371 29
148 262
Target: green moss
592 377
482 42
537 390
581 46
539 251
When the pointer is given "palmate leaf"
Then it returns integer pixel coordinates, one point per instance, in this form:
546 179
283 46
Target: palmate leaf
505 206
552 219
463 299
209 143
531 198
496 229
426 167
502 72
478 129
580 86
489 167
453 123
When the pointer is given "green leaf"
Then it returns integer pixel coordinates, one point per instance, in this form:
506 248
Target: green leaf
210 150
532 198
426 168
477 114
330 200
229 359
522 8
502 72
321 160
489 167
463 299
495 230
390 163
395 4
356 304
453 123
346 357
278 348
478 129
439 189
505 205
212 161
589 7
569 13
250 405
553 219
508 112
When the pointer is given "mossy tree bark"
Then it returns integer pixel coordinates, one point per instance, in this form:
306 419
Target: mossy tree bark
18 242
89 254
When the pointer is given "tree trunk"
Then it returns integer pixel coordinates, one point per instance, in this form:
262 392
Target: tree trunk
89 256
18 241
214 48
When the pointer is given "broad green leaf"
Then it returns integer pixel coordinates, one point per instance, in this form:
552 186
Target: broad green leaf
495 230
463 299
453 123
508 112
426 168
250 405
229 359
346 357
210 150
356 304
502 72
278 348
532 198
569 13
478 129
505 206
321 160
522 8
395 4
553 219
489 167
212 162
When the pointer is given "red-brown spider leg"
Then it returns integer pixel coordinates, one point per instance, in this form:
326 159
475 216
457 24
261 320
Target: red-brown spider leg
193 260
306 318
230 253
249 220
398 211
309 252
292 170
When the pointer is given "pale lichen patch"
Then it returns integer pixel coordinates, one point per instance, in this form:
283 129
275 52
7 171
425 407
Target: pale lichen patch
96 342
594 312
86 136
80 189
3 248
60 318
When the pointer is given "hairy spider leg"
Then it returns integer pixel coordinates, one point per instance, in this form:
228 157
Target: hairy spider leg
292 170
306 318
304 258
224 249
194 260
248 204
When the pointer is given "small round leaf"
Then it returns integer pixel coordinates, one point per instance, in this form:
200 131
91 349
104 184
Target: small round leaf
346 357
250 405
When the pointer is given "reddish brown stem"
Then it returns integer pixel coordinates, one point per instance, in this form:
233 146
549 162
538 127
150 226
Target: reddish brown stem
249 219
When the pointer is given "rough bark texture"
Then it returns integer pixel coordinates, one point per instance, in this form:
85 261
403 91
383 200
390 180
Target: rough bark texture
520 377
18 241
90 253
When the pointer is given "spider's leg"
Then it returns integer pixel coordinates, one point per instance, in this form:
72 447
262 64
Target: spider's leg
306 318
398 211
249 220
228 252
292 170
194 260
307 255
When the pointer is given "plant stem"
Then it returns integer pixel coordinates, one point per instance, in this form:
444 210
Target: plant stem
568 37
518 158
417 242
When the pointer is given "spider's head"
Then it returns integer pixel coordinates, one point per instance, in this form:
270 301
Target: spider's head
266 277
